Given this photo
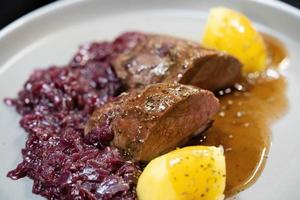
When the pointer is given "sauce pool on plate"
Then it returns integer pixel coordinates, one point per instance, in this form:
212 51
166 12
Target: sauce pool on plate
242 126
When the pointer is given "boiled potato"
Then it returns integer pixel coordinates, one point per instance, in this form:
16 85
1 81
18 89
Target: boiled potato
190 173
230 31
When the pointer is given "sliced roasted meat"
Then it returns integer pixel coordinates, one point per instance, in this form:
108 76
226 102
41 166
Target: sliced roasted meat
158 58
150 121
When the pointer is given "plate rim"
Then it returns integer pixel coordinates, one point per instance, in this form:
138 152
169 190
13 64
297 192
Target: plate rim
48 8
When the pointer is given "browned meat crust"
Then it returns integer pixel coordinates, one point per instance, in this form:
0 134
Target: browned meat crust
159 58
150 121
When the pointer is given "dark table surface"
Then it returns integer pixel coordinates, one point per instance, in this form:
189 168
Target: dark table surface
13 9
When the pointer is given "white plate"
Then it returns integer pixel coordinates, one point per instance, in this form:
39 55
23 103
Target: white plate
51 35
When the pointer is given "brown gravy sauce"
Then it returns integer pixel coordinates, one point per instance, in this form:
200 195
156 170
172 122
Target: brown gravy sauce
242 126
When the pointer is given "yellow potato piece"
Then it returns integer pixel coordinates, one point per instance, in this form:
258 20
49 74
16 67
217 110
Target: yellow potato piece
232 32
190 173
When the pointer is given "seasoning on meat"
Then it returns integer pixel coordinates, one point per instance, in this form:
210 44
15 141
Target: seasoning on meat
148 122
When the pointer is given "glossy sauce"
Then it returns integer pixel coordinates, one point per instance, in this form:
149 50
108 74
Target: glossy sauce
242 126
